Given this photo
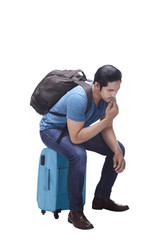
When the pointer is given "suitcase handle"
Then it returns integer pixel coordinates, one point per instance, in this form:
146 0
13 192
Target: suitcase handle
47 179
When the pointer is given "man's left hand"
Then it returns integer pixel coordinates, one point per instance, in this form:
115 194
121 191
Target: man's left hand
119 162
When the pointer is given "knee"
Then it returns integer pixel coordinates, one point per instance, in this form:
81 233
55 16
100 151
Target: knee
122 148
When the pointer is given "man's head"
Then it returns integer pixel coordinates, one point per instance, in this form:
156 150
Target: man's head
108 79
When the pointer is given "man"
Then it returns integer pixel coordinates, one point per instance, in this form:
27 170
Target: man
82 136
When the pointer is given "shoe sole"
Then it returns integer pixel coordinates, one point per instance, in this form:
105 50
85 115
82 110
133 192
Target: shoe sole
78 227
96 208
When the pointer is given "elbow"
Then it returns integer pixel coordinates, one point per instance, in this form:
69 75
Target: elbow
75 140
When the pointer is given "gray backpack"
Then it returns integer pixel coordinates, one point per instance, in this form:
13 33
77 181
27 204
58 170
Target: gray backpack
54 85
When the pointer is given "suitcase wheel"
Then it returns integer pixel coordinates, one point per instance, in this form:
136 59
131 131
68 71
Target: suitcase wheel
43 212
56 215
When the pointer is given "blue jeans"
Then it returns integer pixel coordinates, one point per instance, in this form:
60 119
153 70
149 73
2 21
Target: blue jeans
76 153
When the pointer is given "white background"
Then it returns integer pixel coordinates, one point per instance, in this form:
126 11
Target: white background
40 36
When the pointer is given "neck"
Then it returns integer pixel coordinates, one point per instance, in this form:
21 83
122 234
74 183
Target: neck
96 95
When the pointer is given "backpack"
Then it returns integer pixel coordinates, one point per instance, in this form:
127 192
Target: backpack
54 85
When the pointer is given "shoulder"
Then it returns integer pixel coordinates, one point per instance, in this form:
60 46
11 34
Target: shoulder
76 105
77 95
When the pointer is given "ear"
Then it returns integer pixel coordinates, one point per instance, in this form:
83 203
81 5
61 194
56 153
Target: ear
97 85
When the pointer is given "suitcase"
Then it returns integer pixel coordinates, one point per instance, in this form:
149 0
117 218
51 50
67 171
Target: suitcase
52 192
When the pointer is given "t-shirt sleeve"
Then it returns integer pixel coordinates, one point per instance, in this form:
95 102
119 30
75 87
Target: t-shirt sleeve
76 107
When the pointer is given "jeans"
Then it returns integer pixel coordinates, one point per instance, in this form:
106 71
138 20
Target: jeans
76 154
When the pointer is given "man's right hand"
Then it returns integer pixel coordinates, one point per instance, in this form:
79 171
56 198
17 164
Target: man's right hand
111 110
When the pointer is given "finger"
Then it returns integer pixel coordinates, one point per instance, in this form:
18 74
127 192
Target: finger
110 105
119 166
114 162
115 165
115 105
122 168
117 169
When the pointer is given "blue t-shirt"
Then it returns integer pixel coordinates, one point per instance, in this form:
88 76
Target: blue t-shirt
73 104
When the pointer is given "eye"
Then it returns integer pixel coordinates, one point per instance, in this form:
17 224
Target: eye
110 90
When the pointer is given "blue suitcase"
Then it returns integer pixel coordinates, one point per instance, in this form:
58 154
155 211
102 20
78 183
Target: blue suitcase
52 192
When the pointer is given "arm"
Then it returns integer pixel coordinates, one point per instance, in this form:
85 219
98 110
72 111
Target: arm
110 139
79 134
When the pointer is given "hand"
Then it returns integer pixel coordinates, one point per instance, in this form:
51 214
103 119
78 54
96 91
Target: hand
112 110
119 162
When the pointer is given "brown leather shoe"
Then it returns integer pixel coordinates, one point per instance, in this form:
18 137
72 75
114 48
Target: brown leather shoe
79 220
99 204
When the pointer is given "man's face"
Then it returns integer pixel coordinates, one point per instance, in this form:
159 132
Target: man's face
109 93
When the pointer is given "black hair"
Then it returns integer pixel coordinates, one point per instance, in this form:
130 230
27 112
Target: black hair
107 73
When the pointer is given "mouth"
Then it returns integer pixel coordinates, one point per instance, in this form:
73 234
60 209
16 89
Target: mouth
110 99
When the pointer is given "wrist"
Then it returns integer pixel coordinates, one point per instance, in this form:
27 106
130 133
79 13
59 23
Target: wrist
106 120
118 151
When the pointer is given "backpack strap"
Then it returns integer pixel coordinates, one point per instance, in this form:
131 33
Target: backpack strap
64 130
58 114
88 90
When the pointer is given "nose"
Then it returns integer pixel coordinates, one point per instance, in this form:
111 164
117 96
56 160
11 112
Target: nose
114 94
